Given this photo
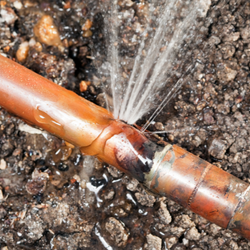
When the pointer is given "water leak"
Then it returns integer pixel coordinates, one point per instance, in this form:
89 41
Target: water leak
149 76
44 115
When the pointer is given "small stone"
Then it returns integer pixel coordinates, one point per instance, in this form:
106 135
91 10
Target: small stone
10 128
46 31
178 231
214 229
233 245
208 117
227 74
129 3
214 40
193 234
17 152
232 37
170 241
184 221
35 226
197 141
7 15
7 148
164 214
217 148
117 232
83 184
109 195
87 25
3 164
22 52
18 5
114 172
38 47
87 33
38 182
185 242
153 242
101 100
223 108
84 85
132 185
1 194
159 126
145 199
245 33
227 50
77 178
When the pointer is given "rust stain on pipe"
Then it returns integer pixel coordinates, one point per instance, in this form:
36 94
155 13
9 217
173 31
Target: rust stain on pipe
171 171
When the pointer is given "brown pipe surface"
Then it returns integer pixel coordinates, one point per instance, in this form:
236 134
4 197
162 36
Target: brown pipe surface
171 171
49 106
205 189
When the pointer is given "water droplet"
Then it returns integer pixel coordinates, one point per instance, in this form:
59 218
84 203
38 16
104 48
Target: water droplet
52 125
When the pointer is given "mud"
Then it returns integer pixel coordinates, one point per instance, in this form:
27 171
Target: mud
51 197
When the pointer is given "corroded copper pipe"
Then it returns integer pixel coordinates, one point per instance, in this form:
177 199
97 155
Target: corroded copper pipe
171 171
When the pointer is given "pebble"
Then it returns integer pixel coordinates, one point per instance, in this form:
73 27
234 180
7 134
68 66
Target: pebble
101 100
159 126
22 52
193 234
184 221
18 5
245 33
37 184
214 40
87 25
114 172
34 226
214 229
77 178
84 85
233 245
46 31
7 148
1 194
117 232
87 33
164 214
132 185
7 15
109 195
170 241
227 74
217 148
3 164
227 50
145 199
153 242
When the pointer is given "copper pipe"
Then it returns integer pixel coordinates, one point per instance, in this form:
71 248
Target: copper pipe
171 171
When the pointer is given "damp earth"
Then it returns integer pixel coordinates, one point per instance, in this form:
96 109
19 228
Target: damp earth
52 197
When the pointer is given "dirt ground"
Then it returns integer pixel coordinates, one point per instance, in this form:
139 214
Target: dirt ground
51 197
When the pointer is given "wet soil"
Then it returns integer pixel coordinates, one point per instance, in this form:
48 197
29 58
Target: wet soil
51 197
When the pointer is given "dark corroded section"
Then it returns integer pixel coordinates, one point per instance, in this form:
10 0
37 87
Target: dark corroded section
135 153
